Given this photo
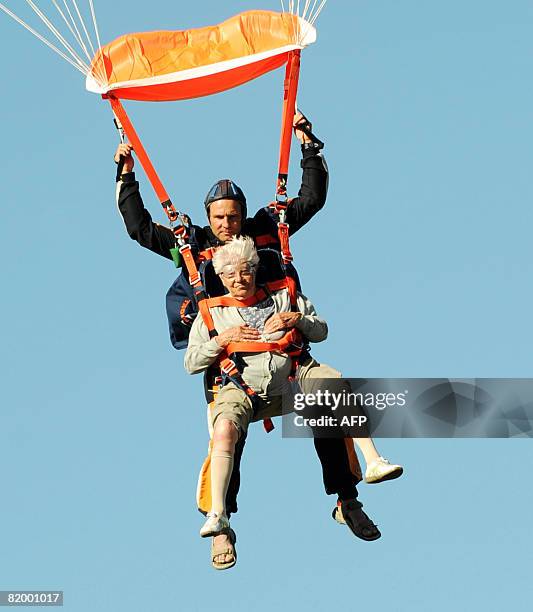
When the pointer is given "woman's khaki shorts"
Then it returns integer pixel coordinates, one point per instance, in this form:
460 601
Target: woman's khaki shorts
234 405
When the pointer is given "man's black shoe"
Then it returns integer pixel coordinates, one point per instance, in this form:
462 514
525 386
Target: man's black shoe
351 513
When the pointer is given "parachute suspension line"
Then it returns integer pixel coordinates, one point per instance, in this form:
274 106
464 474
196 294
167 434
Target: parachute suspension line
59 10
306 8
82 22
308 13
44 40
75 25
73 31
101 70
89 40
318 11
311 10
93 14
57 34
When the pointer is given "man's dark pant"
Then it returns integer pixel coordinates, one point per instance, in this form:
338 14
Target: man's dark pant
336 470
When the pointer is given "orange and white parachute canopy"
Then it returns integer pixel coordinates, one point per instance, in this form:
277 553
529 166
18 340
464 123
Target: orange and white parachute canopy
173 65
166 65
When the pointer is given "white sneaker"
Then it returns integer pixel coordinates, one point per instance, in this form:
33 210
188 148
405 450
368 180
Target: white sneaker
381 469
215 524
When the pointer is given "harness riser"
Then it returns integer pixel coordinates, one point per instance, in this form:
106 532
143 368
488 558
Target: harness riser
290 90
141 153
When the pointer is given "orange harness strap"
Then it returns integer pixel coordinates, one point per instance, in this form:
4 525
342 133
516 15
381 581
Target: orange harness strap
225 300
173 215
205 313
290 89
292 75
292 289
291 343
259 296
265 240
141 153
207 254
194 276
292 338
283 233
279 284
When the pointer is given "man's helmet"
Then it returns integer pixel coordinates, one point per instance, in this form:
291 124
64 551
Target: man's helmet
226 190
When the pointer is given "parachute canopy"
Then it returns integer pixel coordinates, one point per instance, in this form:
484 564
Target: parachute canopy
176 65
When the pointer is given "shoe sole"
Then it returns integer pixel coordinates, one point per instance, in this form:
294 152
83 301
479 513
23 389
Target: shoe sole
229 564
211 534
390 476
215 533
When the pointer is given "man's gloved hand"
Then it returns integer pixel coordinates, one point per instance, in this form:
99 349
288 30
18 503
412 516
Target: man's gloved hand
124 150
299 118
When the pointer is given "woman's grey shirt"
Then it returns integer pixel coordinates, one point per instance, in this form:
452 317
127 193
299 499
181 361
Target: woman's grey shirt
267 373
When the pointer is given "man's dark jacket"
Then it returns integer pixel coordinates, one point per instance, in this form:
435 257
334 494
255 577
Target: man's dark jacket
160 239
180 301
337 474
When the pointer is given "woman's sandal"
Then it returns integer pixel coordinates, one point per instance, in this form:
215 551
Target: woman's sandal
224 549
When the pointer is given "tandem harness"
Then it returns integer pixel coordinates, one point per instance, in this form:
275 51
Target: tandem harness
229 365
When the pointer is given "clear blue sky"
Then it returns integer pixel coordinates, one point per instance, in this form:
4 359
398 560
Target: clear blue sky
426 109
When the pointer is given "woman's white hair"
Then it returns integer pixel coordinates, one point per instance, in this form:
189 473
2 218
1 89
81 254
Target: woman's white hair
239 250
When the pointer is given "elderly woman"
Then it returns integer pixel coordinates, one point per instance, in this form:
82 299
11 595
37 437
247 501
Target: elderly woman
266 373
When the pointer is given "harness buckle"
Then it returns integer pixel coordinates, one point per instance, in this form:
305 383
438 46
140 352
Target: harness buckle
229 367
186 248
179 234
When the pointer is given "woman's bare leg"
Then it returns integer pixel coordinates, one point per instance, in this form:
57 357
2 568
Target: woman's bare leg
368 449
225 437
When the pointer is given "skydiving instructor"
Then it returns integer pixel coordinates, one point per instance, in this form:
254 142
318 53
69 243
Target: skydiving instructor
226 210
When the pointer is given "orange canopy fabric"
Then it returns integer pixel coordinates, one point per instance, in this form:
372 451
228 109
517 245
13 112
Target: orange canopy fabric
168 65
